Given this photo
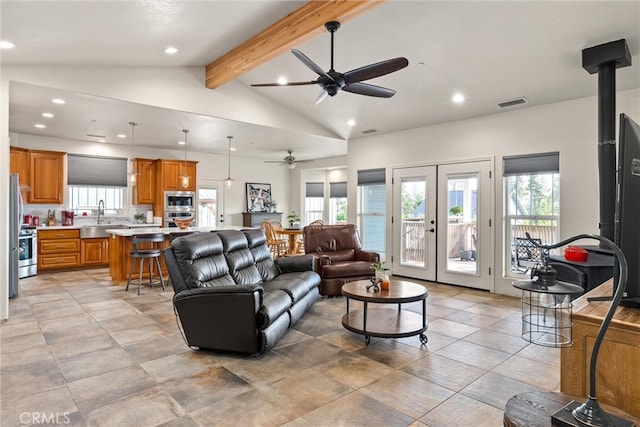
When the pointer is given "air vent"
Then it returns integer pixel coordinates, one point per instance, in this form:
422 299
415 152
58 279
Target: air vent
512 102
370 131
96 136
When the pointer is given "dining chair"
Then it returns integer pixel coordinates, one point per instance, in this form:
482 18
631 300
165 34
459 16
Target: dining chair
276 244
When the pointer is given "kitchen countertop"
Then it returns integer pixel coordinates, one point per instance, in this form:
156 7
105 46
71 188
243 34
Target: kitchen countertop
78 226
128 232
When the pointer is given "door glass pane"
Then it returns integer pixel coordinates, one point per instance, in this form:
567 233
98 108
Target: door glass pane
414 206
207 207
371 218
462 231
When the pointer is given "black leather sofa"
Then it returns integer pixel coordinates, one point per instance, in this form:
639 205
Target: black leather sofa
231 295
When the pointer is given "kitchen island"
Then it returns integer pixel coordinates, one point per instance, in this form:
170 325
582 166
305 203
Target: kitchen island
120 247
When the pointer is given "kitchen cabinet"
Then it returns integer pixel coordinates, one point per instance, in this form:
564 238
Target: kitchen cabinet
46 169
143 191
94 252
170 171
19 163
58 249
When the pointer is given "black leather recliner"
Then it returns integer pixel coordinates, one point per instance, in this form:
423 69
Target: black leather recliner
231 295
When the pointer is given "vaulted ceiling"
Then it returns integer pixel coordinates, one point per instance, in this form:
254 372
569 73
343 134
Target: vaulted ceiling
488 51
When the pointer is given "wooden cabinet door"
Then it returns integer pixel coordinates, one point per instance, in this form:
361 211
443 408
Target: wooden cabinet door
19 163
45 171
94 252
143 191
171 171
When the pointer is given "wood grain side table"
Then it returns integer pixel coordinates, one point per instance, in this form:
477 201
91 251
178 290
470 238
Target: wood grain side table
534 409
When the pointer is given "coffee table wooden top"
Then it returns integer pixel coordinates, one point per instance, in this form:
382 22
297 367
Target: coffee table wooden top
399 291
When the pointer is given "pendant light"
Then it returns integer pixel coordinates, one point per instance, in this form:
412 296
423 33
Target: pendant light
229 180
132 176
184 178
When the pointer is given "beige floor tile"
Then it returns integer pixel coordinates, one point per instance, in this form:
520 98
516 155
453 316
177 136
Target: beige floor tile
497 340
145 408
495 389
444 371
532 372
29 379
252 408
56 403
393 353
462 411
94 363
353 370
542 354
357 409
265 368
473 354
450 328
311 352
492 310
181 365
406 393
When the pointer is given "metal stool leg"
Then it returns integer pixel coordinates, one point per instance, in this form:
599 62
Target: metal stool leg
140 277
133 264
160 272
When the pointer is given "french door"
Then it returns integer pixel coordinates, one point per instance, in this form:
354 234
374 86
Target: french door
414 222
442 218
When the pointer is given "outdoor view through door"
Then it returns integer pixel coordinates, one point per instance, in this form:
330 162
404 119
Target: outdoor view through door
441 223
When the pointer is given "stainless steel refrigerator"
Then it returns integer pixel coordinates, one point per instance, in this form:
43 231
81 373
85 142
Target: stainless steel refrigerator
15 221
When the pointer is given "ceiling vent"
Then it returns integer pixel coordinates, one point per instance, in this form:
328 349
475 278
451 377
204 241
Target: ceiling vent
96 136
370 131
512 102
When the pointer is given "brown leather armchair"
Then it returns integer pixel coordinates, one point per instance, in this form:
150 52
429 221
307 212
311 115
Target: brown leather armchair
339 256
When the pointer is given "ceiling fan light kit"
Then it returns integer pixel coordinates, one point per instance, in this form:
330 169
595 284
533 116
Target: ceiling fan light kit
288 161
331 82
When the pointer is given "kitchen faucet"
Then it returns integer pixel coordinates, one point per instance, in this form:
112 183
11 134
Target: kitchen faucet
100 211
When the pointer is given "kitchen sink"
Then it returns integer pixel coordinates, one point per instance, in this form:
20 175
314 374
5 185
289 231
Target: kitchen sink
97 231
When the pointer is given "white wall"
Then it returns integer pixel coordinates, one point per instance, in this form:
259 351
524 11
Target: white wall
568 127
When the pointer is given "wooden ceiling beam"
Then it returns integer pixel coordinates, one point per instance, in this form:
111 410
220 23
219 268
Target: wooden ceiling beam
291 31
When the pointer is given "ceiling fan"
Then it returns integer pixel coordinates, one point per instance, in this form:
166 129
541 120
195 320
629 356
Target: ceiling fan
332 81
288 161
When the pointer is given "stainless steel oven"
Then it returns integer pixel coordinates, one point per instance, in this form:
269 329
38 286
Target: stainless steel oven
27 252
179 201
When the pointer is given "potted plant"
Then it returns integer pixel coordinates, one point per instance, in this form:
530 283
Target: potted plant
382 273
293 218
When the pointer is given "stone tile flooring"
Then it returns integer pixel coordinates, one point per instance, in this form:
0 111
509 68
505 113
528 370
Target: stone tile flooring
78 350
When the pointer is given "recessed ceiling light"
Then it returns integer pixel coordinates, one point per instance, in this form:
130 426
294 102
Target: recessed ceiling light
121 135
282 81
181 142
351 122
40 126
232 149
47 115
171 50
58 101
102 140
458 98
5 44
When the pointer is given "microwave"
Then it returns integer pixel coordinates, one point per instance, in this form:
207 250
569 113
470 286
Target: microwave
179 201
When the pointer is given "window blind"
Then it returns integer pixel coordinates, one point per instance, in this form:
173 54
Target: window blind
314 189
371 176
337 189
531 164
96 171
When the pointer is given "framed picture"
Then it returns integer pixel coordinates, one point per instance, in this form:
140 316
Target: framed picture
258 197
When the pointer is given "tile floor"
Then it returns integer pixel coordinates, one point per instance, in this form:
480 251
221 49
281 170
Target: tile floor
78 350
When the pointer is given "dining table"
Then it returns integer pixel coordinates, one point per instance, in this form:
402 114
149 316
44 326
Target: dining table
292 234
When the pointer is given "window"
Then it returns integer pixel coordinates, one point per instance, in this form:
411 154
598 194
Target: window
91 179
207 207
85 200
337 203
314 201
371 210
532 204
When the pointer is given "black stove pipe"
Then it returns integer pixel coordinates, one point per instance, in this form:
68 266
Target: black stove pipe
604 59
607 147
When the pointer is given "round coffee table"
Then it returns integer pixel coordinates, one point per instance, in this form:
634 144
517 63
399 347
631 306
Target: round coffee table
385 322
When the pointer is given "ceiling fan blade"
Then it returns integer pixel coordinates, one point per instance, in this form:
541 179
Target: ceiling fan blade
313 82
369 90
274 161
310 64
322 95
375 70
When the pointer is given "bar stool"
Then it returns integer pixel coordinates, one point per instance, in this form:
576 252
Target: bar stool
142 254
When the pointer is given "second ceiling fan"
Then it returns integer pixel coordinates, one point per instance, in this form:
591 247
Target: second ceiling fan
332 81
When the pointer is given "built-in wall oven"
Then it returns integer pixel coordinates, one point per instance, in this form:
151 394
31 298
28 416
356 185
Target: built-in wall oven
28 252
178 204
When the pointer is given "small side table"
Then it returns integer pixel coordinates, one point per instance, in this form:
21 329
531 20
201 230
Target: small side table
534 409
